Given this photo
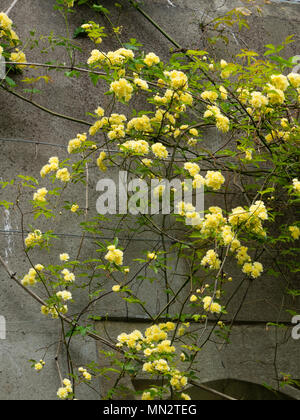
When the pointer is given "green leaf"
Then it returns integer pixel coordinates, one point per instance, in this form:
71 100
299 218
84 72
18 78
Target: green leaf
101 9
6 204
10 82
94 78
79 33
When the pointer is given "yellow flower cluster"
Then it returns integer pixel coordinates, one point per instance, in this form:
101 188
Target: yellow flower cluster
294 79
132 340
155 333
30 278
165 347
151 59
68 276
141 83
147 162
112 58
238 216
18 57
158 366
178 80
296 185
184 208
211 260
158 351
227 235
276 135
213 221
214 180
65 295
276 96
198 181
98 125
259 210
140 124
159 151
295 232
222 122
96 57
251 219
136 147
74 208
179 99
87 376
223 64
114 255
64 257
94 31
64 391
214 225
116 119
116 132
178 380
243 95
193 298
40 195
258 100
192 168
5 22
52 166
254 270
100 163
280 82
169 326
46 310
152 256
226 72
149 395
75 144
209 95
63 175
194 132
34 238
122 89
211 306
249 154
12 40
39 366
223 92
99 111
241 253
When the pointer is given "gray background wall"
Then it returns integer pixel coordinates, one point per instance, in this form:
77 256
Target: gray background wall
250 356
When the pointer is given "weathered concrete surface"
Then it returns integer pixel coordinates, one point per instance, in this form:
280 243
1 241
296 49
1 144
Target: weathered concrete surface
27 330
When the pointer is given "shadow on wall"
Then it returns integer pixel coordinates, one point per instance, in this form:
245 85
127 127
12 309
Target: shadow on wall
240 390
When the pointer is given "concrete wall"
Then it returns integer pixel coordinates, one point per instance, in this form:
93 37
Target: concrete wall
29 335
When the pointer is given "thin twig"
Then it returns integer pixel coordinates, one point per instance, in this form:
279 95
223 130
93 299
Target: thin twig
13 276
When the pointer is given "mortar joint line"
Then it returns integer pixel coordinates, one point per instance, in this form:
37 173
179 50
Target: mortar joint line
37 143
71 235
